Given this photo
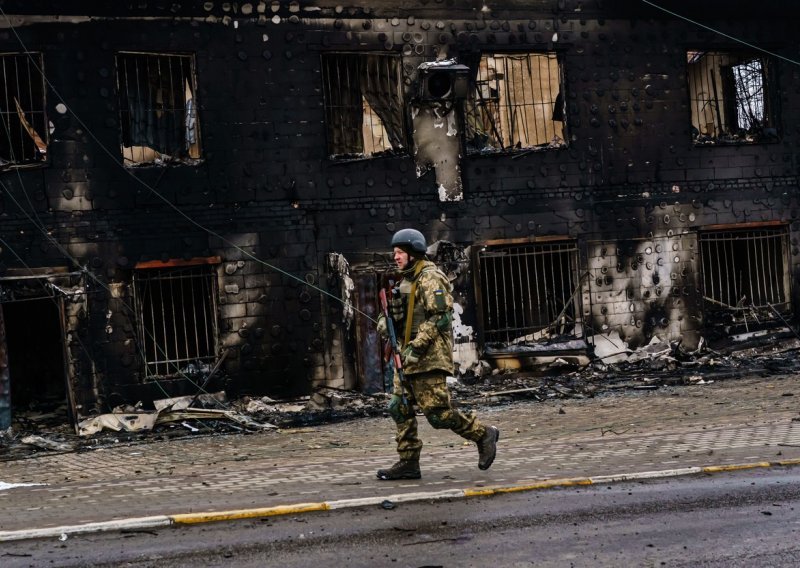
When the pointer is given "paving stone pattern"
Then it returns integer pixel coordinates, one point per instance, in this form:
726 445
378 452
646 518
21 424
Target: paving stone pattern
737 421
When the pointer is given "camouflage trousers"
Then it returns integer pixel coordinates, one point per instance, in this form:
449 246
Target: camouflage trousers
429 392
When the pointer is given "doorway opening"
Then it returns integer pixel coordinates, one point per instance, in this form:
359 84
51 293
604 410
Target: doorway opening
37 373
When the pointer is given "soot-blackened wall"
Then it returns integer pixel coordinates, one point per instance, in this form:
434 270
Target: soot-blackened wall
629 187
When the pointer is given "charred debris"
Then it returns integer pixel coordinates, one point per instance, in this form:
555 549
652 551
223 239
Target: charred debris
41 429
196 197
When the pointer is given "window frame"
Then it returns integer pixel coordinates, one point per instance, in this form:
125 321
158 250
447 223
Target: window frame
476 59
328 104
780 278
40 138
548 245
770 130
160 158
206 269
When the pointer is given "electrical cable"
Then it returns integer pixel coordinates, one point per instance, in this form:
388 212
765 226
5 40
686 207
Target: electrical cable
716 31
52 297
245 252
19 175
40 225
94 278
178 210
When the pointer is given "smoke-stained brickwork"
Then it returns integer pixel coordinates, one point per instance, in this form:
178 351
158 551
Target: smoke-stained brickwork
631 186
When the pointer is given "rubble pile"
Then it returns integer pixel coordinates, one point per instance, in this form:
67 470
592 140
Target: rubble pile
611 370
323 406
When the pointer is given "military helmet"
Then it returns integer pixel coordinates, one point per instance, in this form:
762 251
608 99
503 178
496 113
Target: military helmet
410 238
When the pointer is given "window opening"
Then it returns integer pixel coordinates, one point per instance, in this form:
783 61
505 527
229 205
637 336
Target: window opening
528 291
745 273
516 103
731 97
177 315
24 133
158 108
364 113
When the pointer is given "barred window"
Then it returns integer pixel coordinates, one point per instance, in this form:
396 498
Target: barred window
516 103
746 273
158 108
24 133
364 109
733 97
176 308
527 292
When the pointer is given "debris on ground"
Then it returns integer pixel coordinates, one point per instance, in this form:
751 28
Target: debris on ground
46 443
205 400
133 422
614 367
324 405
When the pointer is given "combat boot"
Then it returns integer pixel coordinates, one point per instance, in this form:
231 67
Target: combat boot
487 447
404 469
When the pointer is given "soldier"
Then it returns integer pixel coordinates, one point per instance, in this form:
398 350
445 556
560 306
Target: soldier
423 314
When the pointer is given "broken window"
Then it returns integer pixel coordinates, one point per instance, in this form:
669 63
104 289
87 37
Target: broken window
528 292
364 114
23 138
176 309
732 95
158 108
745 273
516 103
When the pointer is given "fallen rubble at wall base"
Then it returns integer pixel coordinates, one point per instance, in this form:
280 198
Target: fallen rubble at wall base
655 367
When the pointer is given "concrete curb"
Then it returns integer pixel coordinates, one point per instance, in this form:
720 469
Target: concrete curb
140 523
104 526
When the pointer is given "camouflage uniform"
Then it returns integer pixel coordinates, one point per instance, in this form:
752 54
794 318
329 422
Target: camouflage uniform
431 335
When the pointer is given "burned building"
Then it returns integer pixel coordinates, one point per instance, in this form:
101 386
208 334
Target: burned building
187 186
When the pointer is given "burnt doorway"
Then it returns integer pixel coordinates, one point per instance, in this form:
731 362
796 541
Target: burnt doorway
373 375
34 337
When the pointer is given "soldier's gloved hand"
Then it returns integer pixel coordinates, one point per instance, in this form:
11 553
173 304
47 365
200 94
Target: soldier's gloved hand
383 327
410 355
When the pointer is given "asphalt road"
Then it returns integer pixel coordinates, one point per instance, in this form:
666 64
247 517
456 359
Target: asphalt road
737 519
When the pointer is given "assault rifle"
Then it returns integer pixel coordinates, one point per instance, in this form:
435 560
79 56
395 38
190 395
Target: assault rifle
398 363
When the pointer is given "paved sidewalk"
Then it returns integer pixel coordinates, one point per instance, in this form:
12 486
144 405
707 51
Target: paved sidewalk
741 421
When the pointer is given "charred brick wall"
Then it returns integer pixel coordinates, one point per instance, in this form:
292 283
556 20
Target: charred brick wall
630 186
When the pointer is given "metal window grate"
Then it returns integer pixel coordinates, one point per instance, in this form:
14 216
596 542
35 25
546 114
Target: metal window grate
731 96
516 103
176 309
364 113
746 269
24 132
158 108
526 289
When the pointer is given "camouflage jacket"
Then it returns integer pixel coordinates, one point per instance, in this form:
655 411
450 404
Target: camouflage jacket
431 328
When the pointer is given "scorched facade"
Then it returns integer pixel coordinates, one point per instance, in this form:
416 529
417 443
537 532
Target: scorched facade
180 179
